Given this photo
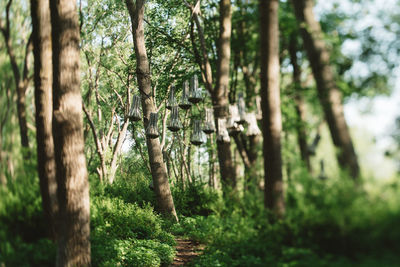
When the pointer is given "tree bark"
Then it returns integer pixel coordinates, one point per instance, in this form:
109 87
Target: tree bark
43 78
270 95
328 92
299 104
72 177
158 171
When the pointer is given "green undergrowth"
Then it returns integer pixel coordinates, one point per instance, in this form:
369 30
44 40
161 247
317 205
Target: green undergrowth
328 223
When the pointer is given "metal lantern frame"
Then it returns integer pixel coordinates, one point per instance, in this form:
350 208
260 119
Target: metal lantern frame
209 124
134 112
195 95
175 123
152 127
185 104
171 102
197 134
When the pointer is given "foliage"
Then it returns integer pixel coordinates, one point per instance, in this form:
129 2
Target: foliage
328 223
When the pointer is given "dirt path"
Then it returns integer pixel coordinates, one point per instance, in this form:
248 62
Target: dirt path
186 251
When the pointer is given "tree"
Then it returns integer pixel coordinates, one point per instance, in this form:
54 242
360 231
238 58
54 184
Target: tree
72 178
270 95
21 80
218 93
43 78
158 170
329 94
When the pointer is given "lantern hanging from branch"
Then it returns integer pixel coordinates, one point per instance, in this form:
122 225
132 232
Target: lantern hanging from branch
232 122
258 106
171 98
222 132
241 109
185 104
252 129
209 125
197 135
195 95
134 113
174 124
152 128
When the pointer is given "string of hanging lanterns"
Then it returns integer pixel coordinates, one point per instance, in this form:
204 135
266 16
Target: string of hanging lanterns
226 127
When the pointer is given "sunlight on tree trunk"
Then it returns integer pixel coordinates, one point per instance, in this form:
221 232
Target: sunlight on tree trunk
270 95
72 176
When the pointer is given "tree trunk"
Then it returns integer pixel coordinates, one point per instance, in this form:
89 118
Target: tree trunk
328 92
219 93
158 171
72 177
270 95
21 81
299 104
43 101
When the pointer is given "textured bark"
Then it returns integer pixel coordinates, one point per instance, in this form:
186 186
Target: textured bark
299 104
21 80
43 77
72 177
158 171
328 92
270 95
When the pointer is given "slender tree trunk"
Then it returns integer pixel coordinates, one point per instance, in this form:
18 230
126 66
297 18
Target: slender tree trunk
44 109
299 104
72 177
21 80
158 170
270 95
328 92
219 93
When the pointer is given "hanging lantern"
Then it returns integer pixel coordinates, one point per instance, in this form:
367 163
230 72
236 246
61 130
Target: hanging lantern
171 98
174 124
195 95
222 132
258 106
197 135
209 126
185 104
152 129
134 112
242 109
233 117
232 124
253 129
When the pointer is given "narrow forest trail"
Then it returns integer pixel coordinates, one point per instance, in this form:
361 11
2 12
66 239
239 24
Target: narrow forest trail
186 251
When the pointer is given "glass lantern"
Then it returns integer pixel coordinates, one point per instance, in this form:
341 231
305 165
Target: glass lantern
185 104
222 132
232 122
195 95
252 129
197 135
174 124
134 113
152 129
241 109
171 98
209 125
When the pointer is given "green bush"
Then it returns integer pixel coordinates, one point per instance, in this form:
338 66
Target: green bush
195 199
128 235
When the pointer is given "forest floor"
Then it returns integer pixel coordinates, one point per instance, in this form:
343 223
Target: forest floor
186 251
